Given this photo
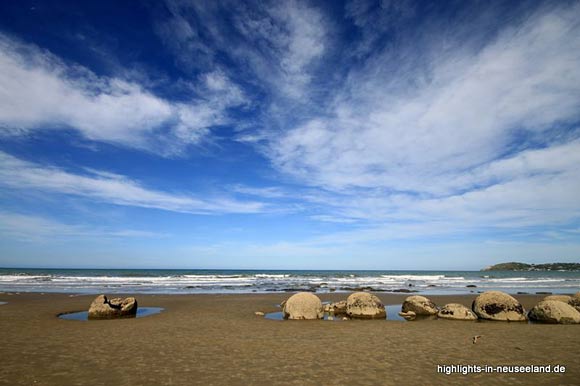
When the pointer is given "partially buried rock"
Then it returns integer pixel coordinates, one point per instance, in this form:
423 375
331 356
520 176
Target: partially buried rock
497 305
363 305
420 305
303 305
409 315
337 308
555 312
103 308
560 298
456 311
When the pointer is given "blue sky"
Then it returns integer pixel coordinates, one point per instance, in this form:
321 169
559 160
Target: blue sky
294 134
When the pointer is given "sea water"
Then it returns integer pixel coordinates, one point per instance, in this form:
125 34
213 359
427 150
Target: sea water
92 281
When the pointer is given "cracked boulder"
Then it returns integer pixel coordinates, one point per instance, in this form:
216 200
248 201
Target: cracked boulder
456 311
104 308
420 305
303 305
363 305
554 312
497 305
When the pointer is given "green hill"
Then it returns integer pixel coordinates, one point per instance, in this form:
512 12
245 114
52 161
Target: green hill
515 266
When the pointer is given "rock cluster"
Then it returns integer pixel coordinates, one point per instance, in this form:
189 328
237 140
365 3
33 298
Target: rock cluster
104 308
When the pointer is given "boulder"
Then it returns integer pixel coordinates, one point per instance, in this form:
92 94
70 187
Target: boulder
456 311
303 305
555 312
420 305
363 305
103 308
560 298
497 305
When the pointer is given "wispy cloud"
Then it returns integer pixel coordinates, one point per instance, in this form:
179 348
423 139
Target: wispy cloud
112 188
484 136
27 227
41 92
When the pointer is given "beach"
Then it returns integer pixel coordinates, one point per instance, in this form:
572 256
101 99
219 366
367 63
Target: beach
216 339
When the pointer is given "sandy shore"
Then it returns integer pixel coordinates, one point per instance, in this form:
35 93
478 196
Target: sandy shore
217 340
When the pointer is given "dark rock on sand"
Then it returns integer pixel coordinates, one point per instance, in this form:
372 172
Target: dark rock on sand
554 312
103 308
420 305
303 305
363 305
471 286
457 312
497 305
543 293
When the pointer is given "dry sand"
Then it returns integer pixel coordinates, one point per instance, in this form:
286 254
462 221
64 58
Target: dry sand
217 340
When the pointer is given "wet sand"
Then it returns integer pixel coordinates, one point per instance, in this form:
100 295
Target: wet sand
217 340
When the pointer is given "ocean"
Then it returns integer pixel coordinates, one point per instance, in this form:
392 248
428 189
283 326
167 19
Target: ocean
159 281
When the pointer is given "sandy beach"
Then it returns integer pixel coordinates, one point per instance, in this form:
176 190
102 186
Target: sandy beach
217 340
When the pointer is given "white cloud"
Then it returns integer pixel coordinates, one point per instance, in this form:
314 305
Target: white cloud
468 114
40 92
112 188
278 43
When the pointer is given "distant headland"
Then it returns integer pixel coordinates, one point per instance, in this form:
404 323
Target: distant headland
514 266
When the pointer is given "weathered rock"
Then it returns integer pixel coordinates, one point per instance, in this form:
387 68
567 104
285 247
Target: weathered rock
457 312
497 305
103 308
303 305
337 308
560 298
420 305
555 312
409 315
363 305
575 301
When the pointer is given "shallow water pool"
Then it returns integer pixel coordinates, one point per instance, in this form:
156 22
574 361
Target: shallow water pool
84 315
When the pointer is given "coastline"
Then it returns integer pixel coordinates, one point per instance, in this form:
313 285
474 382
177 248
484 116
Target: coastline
217 339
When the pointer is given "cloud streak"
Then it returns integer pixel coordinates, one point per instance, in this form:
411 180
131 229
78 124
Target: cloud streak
112 188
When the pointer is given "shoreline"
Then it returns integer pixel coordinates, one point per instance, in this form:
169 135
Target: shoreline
216 339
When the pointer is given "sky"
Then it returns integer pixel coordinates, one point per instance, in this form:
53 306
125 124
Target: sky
432 135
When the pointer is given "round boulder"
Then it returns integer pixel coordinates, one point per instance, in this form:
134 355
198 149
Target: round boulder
456 311
363 305
303 305
497 305
420 305
560 298
555 312
103 308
